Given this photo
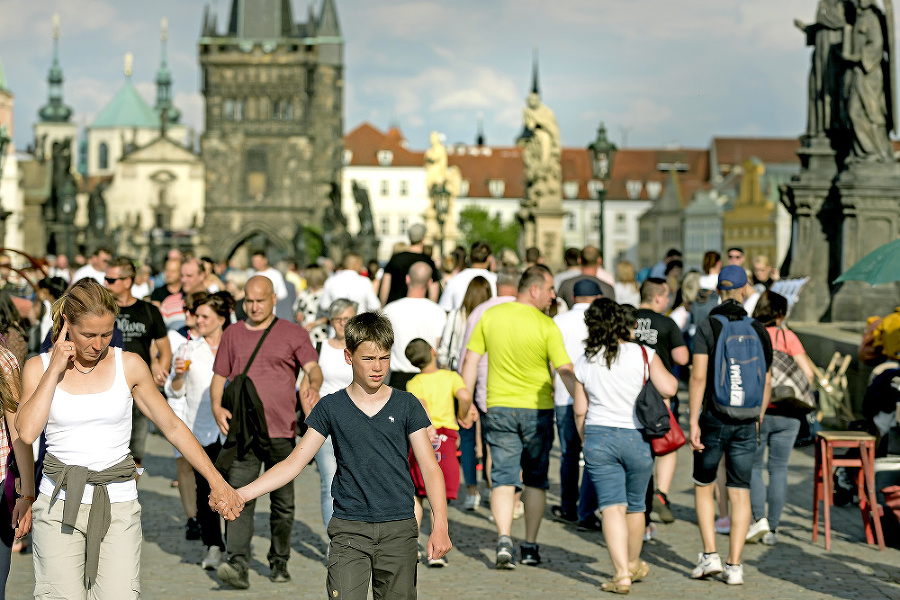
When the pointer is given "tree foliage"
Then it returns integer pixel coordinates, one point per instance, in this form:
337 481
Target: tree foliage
476 223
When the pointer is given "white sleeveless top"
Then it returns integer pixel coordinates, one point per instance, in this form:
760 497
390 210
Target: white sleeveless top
336 373
93 431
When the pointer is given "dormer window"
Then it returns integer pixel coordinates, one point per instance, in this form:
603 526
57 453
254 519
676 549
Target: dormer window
570 189
633 188
496 187
464 188
385 158
653 189
348 156
595 186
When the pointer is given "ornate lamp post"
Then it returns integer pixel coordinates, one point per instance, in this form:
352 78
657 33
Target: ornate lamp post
441 207
68 205
603 152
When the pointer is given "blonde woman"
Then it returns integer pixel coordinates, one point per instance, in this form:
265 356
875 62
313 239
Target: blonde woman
87 520
627 289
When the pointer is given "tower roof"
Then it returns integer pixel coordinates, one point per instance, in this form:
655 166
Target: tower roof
126 109
164 82
261 19
55 111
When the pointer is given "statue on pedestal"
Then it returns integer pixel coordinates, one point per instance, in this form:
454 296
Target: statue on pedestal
825 36
335 237
869 83
366 243
540 151
443 184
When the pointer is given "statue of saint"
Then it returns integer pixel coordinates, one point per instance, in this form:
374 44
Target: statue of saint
541 150
825 73
366 224
869 89
439 176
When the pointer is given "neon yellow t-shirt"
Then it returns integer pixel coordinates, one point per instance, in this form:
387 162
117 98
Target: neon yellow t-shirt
519 340
437 391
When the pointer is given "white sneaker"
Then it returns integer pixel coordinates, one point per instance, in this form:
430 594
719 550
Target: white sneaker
650 532
769 539
757 530
212 560
707 565
733 575
519 510
472 502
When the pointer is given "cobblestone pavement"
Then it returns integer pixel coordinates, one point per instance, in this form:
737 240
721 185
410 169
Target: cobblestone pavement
574 563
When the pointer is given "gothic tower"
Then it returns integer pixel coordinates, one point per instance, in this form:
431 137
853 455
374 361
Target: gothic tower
274 124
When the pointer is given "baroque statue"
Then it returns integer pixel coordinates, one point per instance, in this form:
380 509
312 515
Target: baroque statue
540 150
439 177
825 72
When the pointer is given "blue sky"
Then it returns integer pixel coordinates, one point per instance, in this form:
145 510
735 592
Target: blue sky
656 72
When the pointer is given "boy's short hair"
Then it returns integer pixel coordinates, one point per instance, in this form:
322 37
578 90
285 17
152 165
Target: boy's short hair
369 327
418 352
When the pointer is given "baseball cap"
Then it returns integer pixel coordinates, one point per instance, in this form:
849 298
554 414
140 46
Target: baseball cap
586 287
732 277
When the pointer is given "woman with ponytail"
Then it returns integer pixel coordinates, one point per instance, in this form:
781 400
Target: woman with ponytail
15 509
87 520
610 375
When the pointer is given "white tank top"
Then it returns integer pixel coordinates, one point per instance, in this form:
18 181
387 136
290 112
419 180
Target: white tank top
93 431
336 373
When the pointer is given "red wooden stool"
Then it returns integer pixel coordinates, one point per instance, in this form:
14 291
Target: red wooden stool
865 481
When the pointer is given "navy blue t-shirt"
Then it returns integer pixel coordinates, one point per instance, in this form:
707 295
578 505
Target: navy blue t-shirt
372 482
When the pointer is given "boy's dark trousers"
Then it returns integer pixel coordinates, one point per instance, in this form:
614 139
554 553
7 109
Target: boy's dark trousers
385 552
239 532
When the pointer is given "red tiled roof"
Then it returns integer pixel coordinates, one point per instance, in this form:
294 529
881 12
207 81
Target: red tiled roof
651 165
365 141
734 151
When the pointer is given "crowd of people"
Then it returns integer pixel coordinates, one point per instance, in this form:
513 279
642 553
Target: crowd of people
404 384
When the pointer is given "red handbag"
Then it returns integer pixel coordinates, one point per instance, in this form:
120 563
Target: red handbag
672 441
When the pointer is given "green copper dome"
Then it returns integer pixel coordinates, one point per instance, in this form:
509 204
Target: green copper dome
126 109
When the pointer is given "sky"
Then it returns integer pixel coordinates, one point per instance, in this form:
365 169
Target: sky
656 72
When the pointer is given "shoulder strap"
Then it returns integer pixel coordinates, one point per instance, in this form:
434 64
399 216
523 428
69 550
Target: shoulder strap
319 347
646 369
258 344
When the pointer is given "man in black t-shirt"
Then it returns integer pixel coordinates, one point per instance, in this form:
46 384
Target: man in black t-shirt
142 328
393 280
656 330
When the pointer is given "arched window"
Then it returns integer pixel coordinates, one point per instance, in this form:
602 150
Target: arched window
103 156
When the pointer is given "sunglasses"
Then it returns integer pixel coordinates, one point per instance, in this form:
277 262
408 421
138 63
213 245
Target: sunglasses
112 280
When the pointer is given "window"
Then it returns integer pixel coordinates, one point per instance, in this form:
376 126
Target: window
464 188
385 158
595 221
404 187
282 110
633 188
384 225
233 110
257 172
496 187
348 156
595 186
103 156
571 222
404 223
621 223
570 189
653 189
385 187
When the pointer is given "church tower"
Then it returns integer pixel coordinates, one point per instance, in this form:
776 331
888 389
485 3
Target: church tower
274 124
55 124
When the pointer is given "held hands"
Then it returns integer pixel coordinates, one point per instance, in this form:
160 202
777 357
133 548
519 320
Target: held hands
225 501
468 420
21 517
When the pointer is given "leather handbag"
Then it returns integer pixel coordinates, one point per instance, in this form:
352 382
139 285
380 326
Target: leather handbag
672 441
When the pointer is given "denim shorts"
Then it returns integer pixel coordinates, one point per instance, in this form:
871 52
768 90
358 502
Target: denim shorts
520 440
620 463
736 441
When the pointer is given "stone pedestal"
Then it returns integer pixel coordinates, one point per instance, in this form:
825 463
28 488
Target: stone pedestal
543 228
870 203
811 199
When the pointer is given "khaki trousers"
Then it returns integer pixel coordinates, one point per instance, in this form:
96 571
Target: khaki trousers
59 553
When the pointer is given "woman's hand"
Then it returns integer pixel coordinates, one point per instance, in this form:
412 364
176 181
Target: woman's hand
179 367
21 517
63 352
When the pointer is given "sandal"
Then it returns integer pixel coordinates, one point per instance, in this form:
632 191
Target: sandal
641 572
614 587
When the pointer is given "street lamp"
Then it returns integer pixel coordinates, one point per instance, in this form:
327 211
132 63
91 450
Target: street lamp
441 207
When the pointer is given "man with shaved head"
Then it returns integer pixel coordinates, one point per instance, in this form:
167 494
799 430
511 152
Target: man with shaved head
350 284
285 350
413 317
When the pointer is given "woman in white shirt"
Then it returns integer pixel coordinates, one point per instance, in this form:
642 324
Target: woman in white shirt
609 376
189 380
337 374
87 519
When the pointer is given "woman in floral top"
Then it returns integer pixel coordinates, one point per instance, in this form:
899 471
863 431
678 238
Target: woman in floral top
306 306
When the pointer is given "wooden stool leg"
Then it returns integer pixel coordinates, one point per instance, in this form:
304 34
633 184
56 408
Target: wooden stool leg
827 488
817 490
863 498
867 454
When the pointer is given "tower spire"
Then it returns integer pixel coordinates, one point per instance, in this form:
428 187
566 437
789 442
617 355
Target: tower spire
535 78
164 107
55 111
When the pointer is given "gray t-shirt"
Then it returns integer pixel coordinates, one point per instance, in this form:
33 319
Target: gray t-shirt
372 483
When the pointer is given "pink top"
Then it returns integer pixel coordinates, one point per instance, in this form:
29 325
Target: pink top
785 340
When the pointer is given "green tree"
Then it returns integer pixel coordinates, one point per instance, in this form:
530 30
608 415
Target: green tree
476 223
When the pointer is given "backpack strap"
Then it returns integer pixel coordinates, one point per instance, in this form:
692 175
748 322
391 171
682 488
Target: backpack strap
646 369
258 344
319 348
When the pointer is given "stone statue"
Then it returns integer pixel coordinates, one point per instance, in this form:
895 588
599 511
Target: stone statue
366 244
825 36
97 209
541 151
61 179
868 88
335 238
438 175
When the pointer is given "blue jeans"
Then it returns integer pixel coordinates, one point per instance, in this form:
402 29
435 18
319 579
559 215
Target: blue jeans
778 433
326 463
467 457
520 440
735 441
571 499
620 464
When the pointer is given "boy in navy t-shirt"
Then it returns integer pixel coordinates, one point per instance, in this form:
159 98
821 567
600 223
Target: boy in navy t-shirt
373 426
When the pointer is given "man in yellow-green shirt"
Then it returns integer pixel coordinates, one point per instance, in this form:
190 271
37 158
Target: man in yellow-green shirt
521 343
